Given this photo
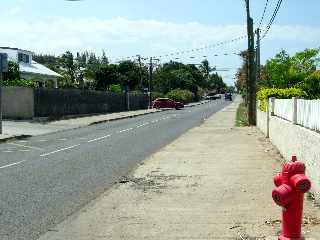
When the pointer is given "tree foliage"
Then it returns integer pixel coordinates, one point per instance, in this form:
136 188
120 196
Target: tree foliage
286 72
87 70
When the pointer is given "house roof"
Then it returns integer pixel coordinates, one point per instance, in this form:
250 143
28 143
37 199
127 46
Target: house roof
37 68
16 49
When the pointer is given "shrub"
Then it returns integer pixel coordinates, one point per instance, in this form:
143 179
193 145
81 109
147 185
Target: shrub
115 88
282 93
155 95
19 83
200 92
311 85
184 96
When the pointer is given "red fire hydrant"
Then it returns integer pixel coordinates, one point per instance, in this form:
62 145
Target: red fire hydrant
291 184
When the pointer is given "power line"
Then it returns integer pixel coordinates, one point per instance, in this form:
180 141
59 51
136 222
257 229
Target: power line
264 13
194 50
207 47
272 18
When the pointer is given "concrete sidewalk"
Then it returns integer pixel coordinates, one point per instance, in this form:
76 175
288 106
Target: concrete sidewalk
214 182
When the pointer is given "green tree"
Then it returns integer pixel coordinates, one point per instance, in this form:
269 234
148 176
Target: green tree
13 72
129 74
284 71
311 85
106 75
69 68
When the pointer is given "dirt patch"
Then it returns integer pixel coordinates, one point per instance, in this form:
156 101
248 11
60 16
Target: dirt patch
154 183
307 221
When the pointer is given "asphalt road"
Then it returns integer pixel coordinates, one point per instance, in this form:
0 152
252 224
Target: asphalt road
47 178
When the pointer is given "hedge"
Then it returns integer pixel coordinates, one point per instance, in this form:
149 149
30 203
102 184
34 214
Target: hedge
155 95
282 93
183 96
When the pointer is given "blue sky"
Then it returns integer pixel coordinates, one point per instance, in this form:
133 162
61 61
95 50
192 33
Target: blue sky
152 28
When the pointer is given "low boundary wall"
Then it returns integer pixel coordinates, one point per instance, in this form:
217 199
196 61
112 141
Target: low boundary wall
27 103
291 139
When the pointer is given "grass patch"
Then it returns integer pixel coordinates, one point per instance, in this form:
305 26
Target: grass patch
242 116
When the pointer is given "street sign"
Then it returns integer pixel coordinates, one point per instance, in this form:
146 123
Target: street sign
4 62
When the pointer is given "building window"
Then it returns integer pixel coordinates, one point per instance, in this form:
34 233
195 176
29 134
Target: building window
23 58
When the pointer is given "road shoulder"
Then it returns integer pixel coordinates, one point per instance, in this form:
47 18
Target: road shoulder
214 182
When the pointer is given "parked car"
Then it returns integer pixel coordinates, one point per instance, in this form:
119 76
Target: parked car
166 103
228 96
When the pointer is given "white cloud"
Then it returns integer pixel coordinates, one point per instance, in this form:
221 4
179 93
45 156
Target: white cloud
5 13
123 37
297 33
117 36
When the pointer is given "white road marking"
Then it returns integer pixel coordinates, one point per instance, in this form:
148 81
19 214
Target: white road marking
59 150
62 139
7 151
100 138
125 130
22 141
12 164
24 150
25 146
42 140
142 125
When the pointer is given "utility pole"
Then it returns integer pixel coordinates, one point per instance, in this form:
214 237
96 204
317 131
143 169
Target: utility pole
258 56
3 68
140 72
251 78
150 81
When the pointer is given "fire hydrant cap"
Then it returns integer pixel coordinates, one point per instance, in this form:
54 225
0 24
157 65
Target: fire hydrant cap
301 183
282 195
294 168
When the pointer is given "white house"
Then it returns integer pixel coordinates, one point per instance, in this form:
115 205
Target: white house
30 69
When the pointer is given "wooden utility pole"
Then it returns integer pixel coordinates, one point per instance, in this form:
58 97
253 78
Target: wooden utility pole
140 72
251 78
258 56
150 81
3 68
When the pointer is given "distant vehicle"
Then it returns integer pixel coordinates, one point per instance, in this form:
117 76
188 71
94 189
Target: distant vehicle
166 103
213 97
228 96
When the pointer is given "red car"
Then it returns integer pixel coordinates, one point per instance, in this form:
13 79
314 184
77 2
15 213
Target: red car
166 103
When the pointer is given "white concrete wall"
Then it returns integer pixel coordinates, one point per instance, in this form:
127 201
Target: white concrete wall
262 121
293 139
17 103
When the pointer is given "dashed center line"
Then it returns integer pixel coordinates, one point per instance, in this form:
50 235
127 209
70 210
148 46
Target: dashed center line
125 130
100 138
59 150
25 146
12 164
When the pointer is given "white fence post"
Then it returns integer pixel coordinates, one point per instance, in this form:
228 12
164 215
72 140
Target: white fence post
268 118
272 105
295 111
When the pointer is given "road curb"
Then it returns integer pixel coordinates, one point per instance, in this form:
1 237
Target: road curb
24 136
125 117
16 137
